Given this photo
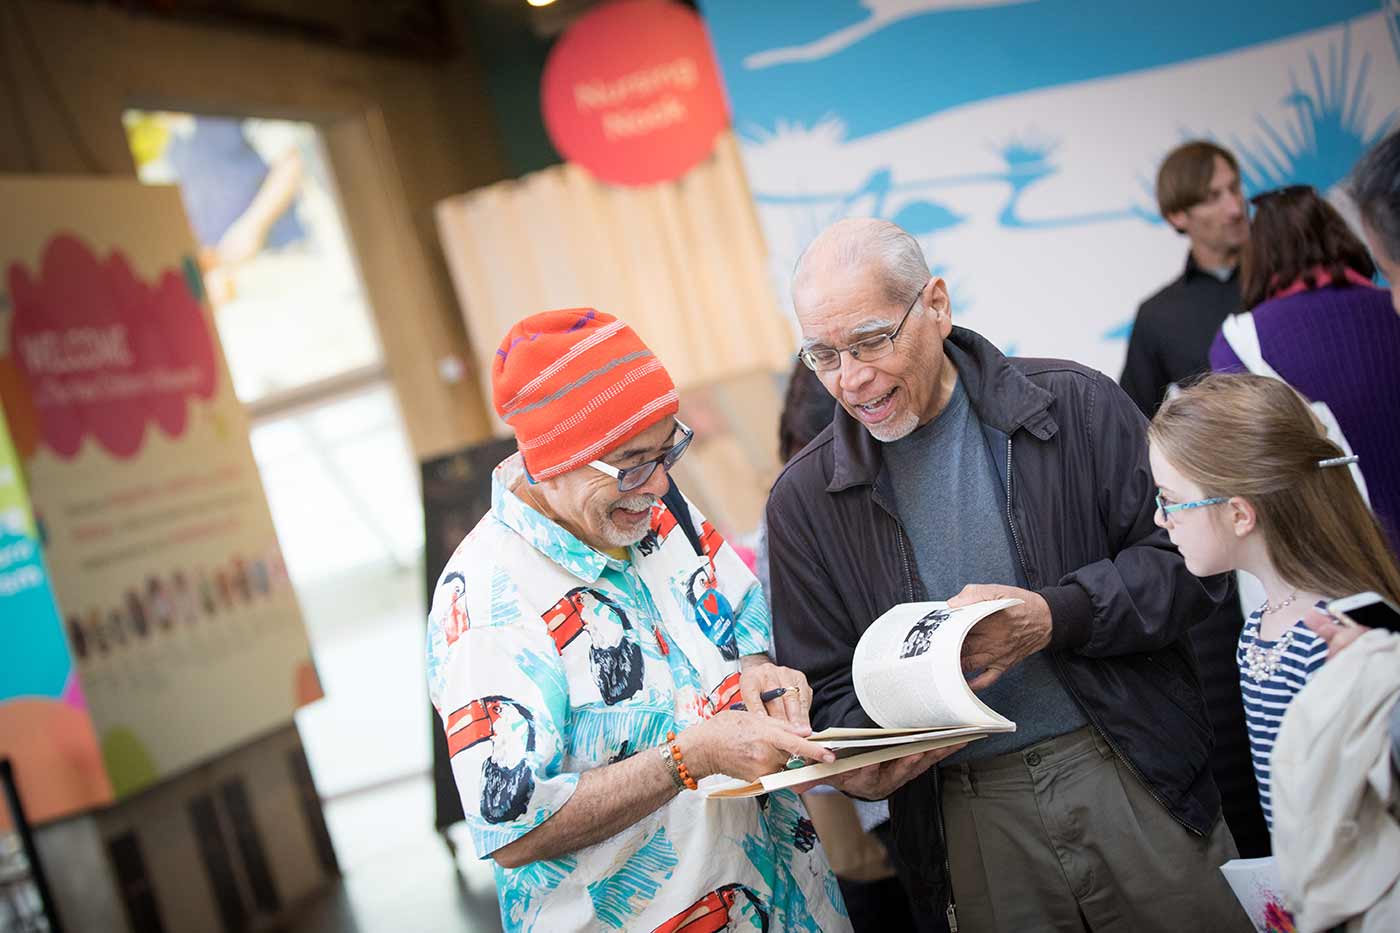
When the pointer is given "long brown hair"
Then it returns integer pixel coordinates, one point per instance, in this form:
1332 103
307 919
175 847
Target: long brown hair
1238 434
1293 235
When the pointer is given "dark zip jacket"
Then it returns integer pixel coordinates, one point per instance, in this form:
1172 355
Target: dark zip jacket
1071 450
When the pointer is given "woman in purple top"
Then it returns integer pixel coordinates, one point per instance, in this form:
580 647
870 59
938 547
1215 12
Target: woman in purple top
1314 320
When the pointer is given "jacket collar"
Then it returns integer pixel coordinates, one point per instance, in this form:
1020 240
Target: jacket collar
1193 268
1003 397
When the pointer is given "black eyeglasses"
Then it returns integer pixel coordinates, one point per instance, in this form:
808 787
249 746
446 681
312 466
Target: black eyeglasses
629 478
825 359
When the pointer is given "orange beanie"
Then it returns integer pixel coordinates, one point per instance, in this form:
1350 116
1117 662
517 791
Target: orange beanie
575 384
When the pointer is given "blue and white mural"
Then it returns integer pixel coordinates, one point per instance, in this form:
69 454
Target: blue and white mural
1020 139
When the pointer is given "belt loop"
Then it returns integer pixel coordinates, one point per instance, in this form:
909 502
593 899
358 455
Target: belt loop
965 775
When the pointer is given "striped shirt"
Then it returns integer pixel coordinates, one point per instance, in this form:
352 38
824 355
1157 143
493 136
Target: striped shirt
1266 700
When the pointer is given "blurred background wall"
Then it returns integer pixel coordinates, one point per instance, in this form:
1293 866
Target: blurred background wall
1019 140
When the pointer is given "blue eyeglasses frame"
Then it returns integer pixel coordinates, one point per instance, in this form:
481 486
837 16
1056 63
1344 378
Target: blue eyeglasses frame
1179 506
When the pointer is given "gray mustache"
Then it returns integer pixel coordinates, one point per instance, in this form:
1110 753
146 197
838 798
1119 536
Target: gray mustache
634 503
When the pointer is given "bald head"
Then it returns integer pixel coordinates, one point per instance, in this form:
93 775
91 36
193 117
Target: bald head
863 290
860 245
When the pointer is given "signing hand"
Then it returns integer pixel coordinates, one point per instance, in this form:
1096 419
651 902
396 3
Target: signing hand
745 745
1003 638
876 782
1337 632
760 674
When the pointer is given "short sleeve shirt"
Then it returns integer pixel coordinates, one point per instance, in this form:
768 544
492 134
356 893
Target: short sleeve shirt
547 658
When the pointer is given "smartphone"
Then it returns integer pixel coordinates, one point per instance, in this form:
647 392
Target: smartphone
1369 609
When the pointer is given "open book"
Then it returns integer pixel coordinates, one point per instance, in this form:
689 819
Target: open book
908 676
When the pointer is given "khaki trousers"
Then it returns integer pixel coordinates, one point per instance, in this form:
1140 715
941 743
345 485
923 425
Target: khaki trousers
1062 836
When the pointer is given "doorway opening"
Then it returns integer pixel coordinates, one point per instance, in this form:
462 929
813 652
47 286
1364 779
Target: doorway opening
341 481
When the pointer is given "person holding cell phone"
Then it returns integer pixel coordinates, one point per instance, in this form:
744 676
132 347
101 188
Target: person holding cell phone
1345 620
1337 774
1339 627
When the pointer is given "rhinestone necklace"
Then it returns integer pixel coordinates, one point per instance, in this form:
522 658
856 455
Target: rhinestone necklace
1261 663
1266 608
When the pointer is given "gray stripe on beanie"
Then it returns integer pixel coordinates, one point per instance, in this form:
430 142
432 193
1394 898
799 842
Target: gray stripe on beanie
581 381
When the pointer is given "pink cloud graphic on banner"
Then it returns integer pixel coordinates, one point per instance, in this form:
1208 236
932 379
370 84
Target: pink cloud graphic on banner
102 352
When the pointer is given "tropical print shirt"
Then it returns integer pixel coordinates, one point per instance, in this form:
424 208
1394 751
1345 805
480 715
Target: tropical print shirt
547 658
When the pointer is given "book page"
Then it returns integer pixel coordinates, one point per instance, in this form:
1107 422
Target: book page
822 770
907 667
842 732
901 737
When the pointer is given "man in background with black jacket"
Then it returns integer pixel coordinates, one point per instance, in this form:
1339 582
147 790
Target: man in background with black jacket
1198 193
952 472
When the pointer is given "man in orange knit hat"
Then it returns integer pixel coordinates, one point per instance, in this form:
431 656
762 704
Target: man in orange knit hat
591 651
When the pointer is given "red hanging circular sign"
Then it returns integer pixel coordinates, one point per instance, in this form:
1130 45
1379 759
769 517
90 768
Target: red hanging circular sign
631 92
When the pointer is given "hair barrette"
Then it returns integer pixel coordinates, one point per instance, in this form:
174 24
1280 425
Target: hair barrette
1337 461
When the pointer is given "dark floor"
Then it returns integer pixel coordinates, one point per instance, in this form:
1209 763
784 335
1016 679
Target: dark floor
398 873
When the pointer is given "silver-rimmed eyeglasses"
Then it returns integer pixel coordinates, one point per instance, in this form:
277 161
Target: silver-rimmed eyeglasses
825 359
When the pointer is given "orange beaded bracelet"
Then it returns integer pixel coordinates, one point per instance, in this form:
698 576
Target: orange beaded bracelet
680 762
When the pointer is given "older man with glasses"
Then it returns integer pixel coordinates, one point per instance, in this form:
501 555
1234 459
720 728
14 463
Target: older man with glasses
596 650
954 473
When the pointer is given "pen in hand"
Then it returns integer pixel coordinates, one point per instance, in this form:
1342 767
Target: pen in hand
766 696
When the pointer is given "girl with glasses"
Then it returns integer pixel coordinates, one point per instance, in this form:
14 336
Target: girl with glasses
1248 480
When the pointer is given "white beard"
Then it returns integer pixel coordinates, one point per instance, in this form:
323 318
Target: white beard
897 426
615 536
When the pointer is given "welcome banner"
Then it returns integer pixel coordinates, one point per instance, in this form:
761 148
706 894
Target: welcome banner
185 632
1019 140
